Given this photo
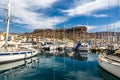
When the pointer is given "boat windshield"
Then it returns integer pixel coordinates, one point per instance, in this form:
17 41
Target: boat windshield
49 43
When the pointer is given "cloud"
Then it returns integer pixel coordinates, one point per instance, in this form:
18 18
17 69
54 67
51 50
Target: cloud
1 20
99 15
2 7
41 3
23 12
90 7
90 28
115 26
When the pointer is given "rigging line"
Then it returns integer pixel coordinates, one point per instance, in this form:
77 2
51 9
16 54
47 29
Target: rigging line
116 16
118 9
109 8
108 26
117 12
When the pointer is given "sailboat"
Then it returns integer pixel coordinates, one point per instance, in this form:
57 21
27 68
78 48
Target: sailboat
12 52
110 63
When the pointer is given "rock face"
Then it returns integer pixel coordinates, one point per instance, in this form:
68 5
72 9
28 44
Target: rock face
112 36
76 33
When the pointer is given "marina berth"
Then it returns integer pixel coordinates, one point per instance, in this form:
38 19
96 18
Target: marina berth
59 39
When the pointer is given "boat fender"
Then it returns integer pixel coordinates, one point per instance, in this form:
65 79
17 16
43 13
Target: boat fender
18 49
99 59
25 55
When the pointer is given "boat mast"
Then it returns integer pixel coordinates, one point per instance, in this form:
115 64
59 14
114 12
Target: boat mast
8 21
64 32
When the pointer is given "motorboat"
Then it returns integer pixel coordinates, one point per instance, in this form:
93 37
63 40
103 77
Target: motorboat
82 46
60 45
48 46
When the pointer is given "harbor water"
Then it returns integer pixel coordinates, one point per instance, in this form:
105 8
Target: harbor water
56 65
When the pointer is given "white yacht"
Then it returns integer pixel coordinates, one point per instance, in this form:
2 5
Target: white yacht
49 46
82 47
12 52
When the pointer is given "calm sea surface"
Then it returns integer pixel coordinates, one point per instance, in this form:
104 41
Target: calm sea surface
56 65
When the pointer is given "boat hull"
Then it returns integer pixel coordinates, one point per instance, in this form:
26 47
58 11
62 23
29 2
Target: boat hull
109 66
82 49
12 58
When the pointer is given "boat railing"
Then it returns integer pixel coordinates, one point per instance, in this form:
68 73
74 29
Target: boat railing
113 58
2 50
8 50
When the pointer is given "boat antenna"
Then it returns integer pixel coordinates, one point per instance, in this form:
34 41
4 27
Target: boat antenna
8 22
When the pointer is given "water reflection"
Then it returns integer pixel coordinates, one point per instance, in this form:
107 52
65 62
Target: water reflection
9 70
106 75
70 66
77 55
56 65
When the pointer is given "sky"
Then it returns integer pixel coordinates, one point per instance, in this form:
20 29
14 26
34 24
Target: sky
28 15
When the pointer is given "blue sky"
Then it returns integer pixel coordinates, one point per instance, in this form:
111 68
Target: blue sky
27 15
